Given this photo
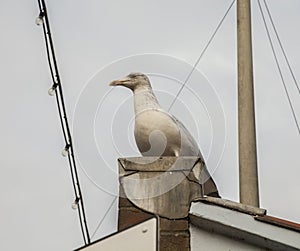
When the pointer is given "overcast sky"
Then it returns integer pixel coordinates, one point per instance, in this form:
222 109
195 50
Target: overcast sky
98 41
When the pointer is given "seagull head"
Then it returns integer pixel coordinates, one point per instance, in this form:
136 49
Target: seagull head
133 81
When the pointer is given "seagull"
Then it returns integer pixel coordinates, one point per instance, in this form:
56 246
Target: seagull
157 132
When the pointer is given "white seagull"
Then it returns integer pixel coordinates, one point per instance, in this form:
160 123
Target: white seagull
158 133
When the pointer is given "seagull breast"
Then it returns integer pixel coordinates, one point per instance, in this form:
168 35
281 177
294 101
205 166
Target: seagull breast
158 133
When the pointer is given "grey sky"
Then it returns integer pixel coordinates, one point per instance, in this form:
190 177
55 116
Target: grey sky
36 191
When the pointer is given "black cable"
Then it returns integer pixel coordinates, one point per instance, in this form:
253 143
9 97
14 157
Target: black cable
281 46
60 116
73 177
76 198
46 42
80 195
63 119
202 53
278 66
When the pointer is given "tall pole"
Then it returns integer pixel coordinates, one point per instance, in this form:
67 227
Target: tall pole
247 137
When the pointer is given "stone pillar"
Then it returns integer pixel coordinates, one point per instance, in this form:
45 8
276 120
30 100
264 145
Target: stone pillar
249 193
162 187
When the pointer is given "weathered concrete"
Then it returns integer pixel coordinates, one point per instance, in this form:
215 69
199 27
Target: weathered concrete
164 187
247 137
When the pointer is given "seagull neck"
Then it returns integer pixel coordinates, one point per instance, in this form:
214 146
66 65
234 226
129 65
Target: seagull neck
144 99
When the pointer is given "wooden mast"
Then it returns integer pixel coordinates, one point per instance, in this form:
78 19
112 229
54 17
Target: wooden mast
248 177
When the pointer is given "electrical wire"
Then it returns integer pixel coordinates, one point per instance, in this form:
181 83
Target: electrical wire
46 42
64 120
60 115
281 46
278 66
201 55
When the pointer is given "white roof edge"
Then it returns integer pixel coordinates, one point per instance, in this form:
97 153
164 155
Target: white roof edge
243 226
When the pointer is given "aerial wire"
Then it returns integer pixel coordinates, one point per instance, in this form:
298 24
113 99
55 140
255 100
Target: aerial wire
281 46
201 55
278 67
104 216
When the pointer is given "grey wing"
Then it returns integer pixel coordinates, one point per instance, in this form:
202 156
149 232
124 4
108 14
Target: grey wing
191 148
189 145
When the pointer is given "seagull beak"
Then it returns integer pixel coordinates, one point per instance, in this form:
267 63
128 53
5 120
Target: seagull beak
120 82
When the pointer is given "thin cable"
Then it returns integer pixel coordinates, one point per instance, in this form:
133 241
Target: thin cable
281 46
63 119
101 221
278 66
202 53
